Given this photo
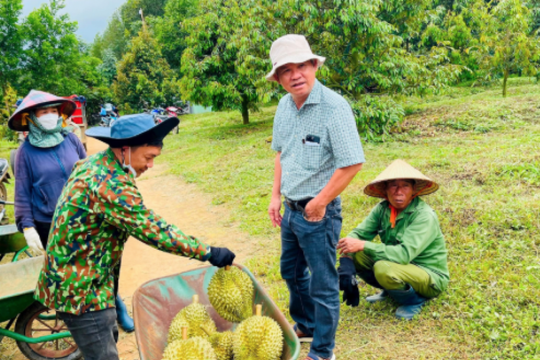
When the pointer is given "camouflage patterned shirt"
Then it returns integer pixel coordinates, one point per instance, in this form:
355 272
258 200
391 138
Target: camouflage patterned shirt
99 208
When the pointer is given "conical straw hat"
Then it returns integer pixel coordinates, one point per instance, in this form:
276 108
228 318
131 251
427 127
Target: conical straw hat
399 169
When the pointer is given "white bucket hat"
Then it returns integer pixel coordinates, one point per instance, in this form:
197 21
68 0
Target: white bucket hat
291 49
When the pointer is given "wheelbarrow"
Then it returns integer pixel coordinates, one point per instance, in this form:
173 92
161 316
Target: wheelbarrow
39 333
157 302
12 241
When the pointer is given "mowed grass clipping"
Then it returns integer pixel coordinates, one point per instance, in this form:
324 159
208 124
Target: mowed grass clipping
481 148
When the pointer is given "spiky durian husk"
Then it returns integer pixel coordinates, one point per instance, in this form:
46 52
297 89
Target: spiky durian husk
258 337
195 317
222 343
195 348
231 294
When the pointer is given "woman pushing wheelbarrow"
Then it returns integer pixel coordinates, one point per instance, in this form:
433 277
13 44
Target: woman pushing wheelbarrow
99 208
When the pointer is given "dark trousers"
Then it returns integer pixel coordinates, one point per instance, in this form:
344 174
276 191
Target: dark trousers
43 229
95 333
308 265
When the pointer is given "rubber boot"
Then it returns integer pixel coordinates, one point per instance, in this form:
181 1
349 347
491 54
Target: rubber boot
122 316
411 302
383 295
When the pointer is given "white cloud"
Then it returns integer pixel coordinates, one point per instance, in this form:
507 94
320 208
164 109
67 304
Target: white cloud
92 16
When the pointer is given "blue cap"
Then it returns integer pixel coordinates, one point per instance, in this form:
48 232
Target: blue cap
133 130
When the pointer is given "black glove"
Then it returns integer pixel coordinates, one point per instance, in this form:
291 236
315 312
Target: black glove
347 281
221 257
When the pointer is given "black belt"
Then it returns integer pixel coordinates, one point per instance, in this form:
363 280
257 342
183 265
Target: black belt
299 205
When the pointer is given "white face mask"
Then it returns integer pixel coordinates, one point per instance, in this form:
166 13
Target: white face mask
49 121
129 167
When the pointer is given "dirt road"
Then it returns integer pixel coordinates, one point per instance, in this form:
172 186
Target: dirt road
181 204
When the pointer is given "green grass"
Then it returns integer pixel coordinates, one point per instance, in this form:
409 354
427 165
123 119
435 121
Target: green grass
484 152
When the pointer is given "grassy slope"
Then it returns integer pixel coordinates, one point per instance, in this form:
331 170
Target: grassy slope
481 148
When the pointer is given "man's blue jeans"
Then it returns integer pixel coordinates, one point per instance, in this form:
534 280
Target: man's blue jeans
308 265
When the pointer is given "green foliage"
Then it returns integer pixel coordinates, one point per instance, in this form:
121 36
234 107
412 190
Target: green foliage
115 37
131 17
51 50
10 97
143 75
108 67
376 116
10 44
224 64
169 32
506 44
367 53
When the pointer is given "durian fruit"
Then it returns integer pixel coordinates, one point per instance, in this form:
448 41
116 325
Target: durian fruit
194 317
195 348
231 293
258 337
222 343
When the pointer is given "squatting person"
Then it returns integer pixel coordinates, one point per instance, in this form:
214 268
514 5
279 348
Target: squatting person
99 208
318 154
410 263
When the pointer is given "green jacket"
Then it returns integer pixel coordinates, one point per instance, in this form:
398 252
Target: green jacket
417 239
100 207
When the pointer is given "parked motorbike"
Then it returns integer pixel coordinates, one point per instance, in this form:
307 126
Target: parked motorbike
108 115
159 115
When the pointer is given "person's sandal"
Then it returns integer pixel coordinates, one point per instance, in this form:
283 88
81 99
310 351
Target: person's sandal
303 338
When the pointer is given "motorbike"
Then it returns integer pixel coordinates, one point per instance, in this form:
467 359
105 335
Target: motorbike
108 115
159 115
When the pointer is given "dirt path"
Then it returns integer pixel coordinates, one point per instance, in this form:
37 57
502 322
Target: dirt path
192 211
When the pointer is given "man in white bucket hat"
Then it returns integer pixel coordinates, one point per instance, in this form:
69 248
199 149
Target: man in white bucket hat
410 263
318 154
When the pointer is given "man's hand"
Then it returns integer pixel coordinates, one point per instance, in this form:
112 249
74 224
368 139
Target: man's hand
274 211
314 211
350 245
347 281
221 257
33 241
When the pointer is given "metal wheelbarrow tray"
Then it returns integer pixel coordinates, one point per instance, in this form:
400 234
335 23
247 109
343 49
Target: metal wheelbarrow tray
157 302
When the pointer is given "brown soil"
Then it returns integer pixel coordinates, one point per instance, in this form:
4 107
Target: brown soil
181 204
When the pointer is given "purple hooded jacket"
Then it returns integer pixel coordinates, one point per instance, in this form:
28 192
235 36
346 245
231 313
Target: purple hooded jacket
40 176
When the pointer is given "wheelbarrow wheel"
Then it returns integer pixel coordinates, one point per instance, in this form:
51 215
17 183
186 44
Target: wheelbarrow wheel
37 320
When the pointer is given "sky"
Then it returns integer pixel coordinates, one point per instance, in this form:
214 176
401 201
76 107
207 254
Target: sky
92 16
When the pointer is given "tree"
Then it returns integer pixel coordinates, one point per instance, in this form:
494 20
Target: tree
108 67
506 44
51 50
130 13
10 44
115 37
169 33
226 59
143 76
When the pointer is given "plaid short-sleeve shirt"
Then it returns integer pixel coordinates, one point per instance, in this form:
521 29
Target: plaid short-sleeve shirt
314 141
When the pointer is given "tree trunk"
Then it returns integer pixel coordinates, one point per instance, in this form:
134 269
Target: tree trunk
505 81
245 111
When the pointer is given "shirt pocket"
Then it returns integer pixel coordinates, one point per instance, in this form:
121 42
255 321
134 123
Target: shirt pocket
45 197
311 156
